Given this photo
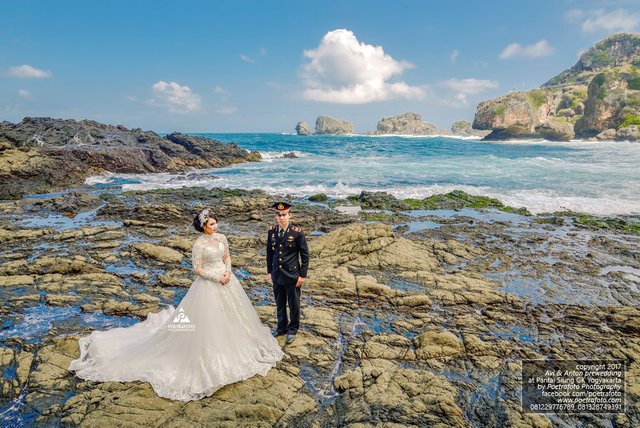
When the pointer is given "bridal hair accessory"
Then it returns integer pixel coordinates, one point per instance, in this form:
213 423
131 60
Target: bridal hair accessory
203 216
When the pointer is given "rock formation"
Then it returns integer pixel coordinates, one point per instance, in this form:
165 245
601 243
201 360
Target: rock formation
598 97
302 128
329 125
404 124
463 128
41 155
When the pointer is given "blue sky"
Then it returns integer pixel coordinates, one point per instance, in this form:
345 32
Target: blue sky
260 66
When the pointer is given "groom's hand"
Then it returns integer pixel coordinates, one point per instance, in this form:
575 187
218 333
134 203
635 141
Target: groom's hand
300 281
269 278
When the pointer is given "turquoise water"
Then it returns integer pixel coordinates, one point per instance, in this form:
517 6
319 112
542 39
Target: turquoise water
597 178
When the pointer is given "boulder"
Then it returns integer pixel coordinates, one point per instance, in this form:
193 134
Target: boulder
329 125
158 252
607 135
629 133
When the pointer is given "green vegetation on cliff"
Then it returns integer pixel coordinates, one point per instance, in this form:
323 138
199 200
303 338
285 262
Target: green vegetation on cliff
537 97
630 120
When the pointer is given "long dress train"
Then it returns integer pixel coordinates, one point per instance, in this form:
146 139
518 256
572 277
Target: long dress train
213 338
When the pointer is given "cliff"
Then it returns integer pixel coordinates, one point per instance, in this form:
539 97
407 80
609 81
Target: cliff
598 97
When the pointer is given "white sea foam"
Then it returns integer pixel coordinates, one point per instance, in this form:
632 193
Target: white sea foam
268 156
99 179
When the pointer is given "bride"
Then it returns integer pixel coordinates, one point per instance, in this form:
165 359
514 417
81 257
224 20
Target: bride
213 338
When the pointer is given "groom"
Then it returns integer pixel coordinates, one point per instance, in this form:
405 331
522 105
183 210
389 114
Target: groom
287 264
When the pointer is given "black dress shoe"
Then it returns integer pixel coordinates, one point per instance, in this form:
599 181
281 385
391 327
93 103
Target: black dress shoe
277 334
290 338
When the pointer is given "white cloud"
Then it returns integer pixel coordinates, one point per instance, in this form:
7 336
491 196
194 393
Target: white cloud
343 70
454 56
469 86
28 72
247 58
220 90
24 94
225 109
465 87
263 52
600 20
177 98
539 49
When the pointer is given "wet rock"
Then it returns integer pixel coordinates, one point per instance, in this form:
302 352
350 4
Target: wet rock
88 232
12 281
61 299
278 397
437 344
121 309
22 234
176 278
70 204
51 265
181 243
93 284
389 347
380 391
157 252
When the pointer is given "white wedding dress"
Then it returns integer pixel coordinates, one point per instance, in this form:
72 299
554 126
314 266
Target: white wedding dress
213 338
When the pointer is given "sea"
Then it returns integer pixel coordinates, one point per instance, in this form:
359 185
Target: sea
600 178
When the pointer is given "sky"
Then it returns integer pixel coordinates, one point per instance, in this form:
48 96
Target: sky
262 66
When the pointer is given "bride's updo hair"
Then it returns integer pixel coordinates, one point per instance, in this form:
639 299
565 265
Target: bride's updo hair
202 218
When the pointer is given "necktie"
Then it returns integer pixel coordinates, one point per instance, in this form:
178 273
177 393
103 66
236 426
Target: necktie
281 234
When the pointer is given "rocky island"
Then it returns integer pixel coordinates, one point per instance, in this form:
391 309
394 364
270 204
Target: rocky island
404 124
599 97
329 125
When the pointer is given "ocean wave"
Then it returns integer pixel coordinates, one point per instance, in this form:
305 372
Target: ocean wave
269 156
536 201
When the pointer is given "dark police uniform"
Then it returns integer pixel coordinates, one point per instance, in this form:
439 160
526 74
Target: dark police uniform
287 259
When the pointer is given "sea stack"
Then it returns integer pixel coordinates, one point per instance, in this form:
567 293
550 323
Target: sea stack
302 128
329 125
404 124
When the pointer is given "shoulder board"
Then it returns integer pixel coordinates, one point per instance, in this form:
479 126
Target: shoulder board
296 229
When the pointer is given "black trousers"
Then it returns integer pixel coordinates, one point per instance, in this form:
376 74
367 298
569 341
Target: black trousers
285 293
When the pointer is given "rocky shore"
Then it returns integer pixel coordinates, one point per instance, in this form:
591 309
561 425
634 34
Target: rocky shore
40 155
415 312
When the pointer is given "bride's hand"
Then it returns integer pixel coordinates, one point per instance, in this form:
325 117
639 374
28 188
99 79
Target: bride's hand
224 279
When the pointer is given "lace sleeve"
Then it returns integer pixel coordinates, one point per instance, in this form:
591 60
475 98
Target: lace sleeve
196 257
226 258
